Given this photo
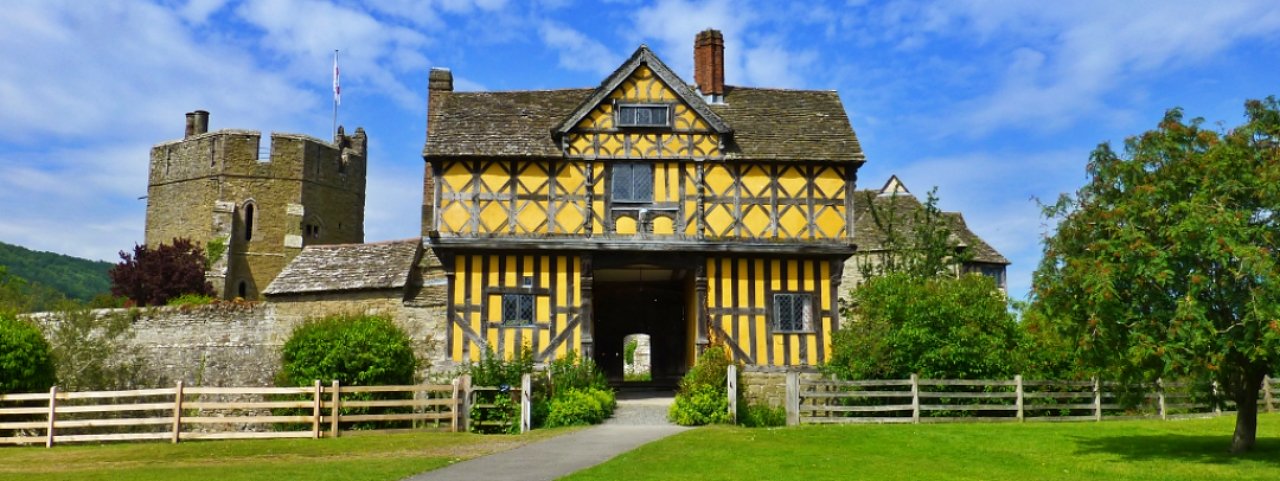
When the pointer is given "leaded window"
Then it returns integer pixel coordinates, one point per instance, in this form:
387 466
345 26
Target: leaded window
517 309
792 313
632 182
642 115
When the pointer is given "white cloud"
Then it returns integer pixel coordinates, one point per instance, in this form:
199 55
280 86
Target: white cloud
577 51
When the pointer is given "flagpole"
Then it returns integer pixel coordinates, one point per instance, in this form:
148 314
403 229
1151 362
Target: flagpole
337 92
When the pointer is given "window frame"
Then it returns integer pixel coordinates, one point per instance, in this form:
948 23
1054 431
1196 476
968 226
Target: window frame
520 298
630 168
806 313
618 118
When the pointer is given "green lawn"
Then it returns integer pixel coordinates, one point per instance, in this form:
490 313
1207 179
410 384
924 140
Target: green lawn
1110 451
361 457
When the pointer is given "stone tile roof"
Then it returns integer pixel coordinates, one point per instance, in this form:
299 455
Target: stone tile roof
768 124
346 267
869 237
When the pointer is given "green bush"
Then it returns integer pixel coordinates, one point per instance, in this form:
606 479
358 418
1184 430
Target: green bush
759 416
494 371
703 397
567 381
577 407
190 300
26 361
497 411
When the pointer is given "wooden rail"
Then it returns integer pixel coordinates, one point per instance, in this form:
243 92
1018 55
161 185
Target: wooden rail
914 400
182 412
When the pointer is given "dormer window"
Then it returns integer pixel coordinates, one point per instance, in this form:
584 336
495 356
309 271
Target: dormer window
644 115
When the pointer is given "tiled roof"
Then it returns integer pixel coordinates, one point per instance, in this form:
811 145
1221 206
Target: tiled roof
345 267
767 124
870 237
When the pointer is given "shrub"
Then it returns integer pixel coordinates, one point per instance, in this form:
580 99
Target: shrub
577 407
26 361
703 397
150 277
190 300
93 351
761 416
354 350
497 411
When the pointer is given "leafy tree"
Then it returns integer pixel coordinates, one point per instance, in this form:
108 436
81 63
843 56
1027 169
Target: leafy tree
73 277
150 277
1165 262
940 327
26 364
17 295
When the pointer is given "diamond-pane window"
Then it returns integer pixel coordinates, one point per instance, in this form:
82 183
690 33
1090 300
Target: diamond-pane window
792 313
632 182
630 115
517 309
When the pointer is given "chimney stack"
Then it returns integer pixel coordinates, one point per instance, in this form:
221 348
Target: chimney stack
441 79
191 125
708 64
200 122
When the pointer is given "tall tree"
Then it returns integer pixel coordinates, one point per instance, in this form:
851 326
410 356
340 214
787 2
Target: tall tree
1165 262
150 277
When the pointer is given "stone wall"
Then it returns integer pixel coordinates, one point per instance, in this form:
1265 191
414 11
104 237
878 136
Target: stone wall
762 385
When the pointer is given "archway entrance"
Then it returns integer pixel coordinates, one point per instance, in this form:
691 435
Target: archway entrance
641 300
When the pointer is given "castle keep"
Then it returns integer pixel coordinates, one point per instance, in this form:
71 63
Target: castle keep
254 204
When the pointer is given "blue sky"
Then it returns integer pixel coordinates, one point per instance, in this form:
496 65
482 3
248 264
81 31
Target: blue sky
995 103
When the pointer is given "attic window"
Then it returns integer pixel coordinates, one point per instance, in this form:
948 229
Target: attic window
644 115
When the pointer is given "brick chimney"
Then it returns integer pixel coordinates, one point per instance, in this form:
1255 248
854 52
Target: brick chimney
440 79
708 64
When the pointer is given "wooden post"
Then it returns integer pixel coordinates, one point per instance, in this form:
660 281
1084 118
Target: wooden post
1266 392
526 402
53 415
315 410
333 413
1164 414
177 412
915 398
1217 406
454 408
793 398
464 405
1017 382
731 381
1097 399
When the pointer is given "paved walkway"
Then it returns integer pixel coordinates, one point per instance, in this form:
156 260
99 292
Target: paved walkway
639 419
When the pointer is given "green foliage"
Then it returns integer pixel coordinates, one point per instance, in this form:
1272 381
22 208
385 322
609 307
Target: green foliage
577 407
213 250
1165 265
629 352
493 370
915 239
17 295
495 413
26 361
354 350
703 396
152 276
951 328
190 300
72 277
761 416
93 351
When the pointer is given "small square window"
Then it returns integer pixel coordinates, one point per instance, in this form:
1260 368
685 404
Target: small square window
517 309
644 115
792 313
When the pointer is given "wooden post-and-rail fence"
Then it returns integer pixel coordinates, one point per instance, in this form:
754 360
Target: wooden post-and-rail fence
181 412
915 400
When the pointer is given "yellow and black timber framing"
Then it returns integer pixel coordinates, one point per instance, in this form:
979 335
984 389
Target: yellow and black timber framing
566 219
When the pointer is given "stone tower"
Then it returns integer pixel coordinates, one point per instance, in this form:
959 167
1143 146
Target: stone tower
254 205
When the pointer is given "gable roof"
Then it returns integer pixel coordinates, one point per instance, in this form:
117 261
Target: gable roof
869 237
643 56
767 124
347 267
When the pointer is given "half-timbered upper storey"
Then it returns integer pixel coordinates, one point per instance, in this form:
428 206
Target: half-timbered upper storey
641 162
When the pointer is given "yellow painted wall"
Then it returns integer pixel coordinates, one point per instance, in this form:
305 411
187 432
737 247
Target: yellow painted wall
741 202
476 305
739 300
597 136
513 197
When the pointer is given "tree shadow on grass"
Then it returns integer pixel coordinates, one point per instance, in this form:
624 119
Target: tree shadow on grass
1177 447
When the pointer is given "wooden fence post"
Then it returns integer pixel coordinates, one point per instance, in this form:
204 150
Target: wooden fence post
333 413
1266 392
315 410
793 398
1017 382
1097 399
731 379
464 405
453 410
1164 414
1217 405
177 412
915 398
53 415
526 402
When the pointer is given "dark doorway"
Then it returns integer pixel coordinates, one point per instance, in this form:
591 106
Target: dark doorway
628 302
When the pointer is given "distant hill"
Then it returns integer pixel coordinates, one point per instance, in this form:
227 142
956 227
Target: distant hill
74 277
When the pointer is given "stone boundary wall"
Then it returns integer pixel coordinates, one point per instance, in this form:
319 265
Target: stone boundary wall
767 385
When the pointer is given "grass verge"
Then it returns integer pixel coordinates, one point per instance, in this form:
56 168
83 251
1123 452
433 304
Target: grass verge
372 457
1115 451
